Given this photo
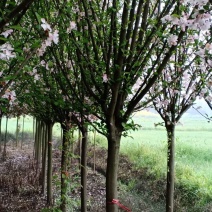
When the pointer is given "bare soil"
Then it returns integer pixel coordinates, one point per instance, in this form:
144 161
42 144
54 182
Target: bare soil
20 190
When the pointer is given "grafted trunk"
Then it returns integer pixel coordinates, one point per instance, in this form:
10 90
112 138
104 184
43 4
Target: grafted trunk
64 167
170 168
114 139
49 170
84 169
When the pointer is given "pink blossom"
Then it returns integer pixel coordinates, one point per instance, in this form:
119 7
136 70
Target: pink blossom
45 25
172 40
6 52
7 33
54 36
105 78
72 26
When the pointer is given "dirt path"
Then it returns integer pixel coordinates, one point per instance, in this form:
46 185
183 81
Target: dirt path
20 190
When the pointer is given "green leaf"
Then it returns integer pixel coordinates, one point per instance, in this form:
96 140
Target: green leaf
38 17
18 27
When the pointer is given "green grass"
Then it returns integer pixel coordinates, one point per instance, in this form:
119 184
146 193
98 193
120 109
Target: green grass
147 148
28 125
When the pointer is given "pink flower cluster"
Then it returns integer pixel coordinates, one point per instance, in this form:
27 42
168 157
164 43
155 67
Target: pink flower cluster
6 52
53 37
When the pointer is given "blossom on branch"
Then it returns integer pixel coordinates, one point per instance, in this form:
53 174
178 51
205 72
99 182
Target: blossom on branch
7 33
6 52
45 25
172 40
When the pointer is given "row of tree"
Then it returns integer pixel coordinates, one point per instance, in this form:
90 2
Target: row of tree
96 63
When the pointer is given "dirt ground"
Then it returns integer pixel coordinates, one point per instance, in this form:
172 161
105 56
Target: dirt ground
20 190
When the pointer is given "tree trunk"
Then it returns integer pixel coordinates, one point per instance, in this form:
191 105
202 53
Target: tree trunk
79 144
170 168
84 169
33 128
64 167
22 140
94 151
5 141
114 139
44 155
49 170
36 140
17 131
39 147
0 134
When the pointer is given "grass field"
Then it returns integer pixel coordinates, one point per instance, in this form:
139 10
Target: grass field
147 148
28 125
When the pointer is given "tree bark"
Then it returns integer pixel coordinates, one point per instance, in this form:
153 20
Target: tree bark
114 139
170 167
84 169
17 131
5 141
22 140
44 156
0 134
64 167
49 170
94 151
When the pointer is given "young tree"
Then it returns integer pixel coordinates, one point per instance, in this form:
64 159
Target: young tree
181 82
111 46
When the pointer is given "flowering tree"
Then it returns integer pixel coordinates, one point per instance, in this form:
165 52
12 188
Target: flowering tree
116 51
116 45
110 48
184 78
12 13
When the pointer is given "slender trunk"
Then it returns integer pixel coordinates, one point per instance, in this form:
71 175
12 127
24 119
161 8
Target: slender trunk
80 146
61 135
170 168
72 146
84 169
94 152
5 141
17 131
33 128
22 140
44 156
39 145
36 140
0 134
114 139
49 170
64 168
